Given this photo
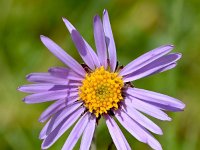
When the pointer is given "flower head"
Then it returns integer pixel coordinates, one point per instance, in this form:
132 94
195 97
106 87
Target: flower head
100 88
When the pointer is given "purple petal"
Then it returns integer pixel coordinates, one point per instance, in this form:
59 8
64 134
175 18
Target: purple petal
155 98
136 130
63 56
52 109
126 142
100 41
61 128
45 78
116 134
43 135
151 141
130 125
59 117
165 107
90 51
72 99
88 134
35 88
146 108
110 41
60 72
145 59
43 87
81 47
57 106
65 73
143 120
76 132
168 67
152 67
48 96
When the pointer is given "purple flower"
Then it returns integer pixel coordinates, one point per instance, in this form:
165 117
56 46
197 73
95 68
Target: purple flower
100 88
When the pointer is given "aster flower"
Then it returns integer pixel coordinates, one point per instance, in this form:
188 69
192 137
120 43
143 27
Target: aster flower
100 88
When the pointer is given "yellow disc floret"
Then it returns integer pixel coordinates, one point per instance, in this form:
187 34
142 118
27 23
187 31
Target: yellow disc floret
101 91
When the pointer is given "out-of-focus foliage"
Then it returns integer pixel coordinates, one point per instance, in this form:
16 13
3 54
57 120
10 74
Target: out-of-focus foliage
138 26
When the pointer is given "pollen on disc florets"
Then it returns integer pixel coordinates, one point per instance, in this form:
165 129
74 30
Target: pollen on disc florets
101 91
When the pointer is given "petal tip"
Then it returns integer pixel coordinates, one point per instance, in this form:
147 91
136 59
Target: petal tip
19 88
179 55
182 106
28 76
96 18
170 45
44 147
160 132
168 119
50 69
64 19
42 37
41 120
24 100
105 11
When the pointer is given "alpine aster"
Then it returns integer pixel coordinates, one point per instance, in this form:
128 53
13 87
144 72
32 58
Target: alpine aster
100 88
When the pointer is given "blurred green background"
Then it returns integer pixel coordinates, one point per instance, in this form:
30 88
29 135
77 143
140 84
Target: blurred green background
138 26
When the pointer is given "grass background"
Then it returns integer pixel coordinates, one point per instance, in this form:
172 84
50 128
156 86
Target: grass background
138 26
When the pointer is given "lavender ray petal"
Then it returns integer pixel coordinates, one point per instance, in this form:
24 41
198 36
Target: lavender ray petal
36 88
61 128
94 55
60 72
130 125
116 134
48 96
88 134
71 99
126 142
142 120
70 75
100 41
57 106
63 56
152 67
52 109
151 141
146 59
76 132
146 108
110 41
82 49
43 135
44 87
91 52
59 117
155 98
65 73
45 78
165 107
168 67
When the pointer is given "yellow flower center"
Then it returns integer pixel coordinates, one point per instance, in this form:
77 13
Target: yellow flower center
101 91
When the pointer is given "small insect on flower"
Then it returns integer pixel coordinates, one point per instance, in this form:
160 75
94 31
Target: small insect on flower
100 88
